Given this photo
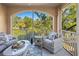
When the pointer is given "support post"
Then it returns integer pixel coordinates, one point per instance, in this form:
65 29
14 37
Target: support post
77 29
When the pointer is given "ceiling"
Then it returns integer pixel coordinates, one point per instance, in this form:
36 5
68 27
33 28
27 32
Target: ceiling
33 4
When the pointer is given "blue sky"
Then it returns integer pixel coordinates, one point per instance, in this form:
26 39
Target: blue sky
28 14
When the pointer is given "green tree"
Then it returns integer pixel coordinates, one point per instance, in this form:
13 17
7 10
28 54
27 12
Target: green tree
69 18
44 24
27 21
15 20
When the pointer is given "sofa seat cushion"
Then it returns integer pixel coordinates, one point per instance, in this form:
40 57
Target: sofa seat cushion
2 47
47 41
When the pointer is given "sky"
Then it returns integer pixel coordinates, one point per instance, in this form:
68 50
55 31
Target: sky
28 14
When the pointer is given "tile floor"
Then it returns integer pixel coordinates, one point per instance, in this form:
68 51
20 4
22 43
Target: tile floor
37 51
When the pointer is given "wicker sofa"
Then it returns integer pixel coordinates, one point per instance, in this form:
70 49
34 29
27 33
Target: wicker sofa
52 46
52 43
5 41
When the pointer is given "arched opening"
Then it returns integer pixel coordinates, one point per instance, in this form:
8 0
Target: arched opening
37 21
32 26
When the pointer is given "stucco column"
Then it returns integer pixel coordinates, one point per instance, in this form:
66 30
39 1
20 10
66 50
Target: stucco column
59 23
77 29
55 23
77 19
9 24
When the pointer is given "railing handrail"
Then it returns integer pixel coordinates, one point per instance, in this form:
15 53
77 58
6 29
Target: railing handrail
70 41
68 31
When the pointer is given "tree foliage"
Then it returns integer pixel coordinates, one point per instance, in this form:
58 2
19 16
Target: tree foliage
41 26
69 18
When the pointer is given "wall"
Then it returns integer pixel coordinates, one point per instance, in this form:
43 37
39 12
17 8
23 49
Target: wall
7 11
52 11
3 18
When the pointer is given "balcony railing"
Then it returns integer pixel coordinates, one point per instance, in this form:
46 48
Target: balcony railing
70 42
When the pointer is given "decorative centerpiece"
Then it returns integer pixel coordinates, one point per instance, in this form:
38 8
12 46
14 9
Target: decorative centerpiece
18 48
18 45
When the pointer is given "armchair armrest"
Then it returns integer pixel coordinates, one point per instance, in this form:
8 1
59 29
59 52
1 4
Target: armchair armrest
57 45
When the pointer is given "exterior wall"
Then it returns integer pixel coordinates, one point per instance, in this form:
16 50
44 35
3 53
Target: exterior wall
7 11
52 11
3 18
18 9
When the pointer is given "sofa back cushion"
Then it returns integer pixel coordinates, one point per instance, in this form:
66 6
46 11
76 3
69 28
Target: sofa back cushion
2 34
52 36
